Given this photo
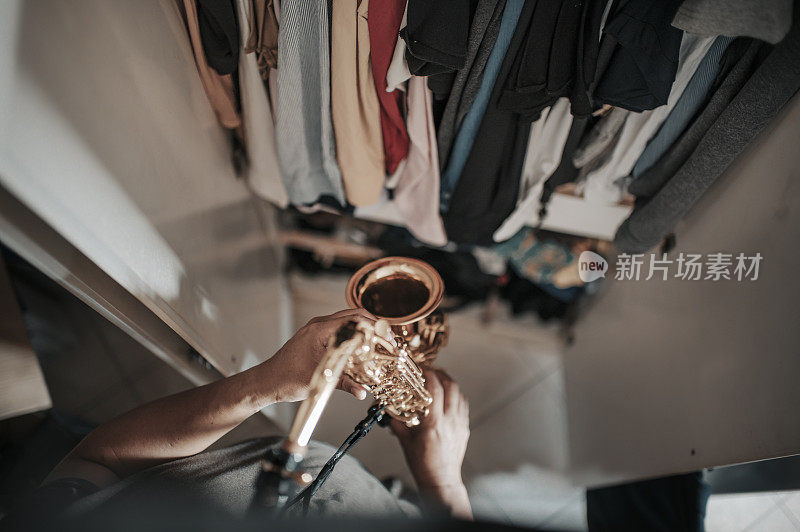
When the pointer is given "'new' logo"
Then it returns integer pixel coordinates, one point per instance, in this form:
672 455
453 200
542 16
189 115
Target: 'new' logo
591 266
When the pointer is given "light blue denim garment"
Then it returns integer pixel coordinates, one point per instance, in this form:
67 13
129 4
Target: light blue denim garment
687 106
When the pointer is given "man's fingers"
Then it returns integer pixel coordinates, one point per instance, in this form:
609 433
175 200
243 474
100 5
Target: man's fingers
443 375
462 404
451 395
434 386
352 387
326 327
343 312
346 313
451 392
433 382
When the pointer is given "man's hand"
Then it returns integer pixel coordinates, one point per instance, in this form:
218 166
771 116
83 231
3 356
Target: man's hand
435 448
296 361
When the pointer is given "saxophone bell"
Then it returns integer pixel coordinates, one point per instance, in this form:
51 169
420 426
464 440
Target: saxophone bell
405 292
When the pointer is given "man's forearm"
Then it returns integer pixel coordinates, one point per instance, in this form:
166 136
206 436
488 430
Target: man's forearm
176 426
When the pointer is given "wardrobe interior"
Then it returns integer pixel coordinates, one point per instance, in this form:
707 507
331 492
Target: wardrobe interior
199 178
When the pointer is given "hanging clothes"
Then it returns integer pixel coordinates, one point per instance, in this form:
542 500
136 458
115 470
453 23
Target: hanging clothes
604 150
354 104
599 143
548 137
263 38
219 32
566 171
689 103
306 146
606 49
397 76
263 169
472 121
384 22
768 20
736 66
436 38
218 88
752 109
398 72
645 59
272 80
558 58
482 36
485 192
417 192
604 184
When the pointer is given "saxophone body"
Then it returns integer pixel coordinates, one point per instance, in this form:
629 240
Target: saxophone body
403 294
386 356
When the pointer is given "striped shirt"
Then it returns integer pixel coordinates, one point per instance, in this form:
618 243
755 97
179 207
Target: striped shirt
306 145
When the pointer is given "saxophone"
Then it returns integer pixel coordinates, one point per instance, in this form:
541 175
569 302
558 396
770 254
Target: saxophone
387 357
403 294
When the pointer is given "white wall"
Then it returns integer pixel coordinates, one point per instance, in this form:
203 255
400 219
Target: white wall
672 376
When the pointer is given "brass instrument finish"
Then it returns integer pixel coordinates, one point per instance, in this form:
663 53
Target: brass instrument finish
403 294
406 293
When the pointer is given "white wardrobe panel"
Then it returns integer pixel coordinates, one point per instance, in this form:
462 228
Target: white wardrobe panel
107 135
